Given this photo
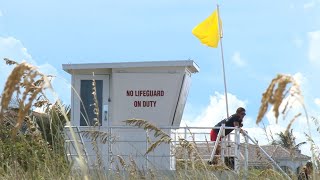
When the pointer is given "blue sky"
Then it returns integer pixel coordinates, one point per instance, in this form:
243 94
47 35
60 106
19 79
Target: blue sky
261 39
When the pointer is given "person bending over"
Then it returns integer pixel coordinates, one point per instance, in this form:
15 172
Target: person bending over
234 120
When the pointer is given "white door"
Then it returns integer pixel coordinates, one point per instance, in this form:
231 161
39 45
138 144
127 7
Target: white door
90 114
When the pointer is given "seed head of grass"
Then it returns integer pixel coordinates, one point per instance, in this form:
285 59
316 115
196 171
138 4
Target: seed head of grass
9 61
26 78
163 137
276 92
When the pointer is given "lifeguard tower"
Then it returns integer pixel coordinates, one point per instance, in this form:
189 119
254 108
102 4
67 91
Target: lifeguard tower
155 91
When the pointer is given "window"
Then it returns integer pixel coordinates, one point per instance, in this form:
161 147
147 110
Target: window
87 106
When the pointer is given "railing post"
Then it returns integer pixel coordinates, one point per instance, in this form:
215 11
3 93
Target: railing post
185 150
223 143
147 146
228 145
237 150
174 145
110 156
246 158
216 144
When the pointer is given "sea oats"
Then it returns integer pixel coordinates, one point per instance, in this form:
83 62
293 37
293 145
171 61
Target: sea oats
275 94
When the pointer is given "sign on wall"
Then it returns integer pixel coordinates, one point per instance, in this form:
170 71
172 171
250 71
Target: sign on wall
149 96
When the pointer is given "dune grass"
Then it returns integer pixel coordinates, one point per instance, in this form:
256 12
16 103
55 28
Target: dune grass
32 144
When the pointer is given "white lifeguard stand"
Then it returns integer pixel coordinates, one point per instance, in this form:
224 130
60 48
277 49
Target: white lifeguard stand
155 91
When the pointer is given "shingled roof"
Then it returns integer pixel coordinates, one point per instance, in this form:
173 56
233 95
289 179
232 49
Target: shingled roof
255 156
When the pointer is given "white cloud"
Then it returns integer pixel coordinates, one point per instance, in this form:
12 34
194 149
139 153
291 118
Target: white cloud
317 101
238 60
215 111
212 114
1 14
309 5
13 48
314 46
299 78
264 136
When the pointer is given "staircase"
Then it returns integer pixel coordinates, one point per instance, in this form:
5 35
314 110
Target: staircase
74 144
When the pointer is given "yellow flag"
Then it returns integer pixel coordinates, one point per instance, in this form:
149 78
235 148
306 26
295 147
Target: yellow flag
208 30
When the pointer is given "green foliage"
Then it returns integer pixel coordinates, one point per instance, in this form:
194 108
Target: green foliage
32 144
27 153
26 150
51 125
287 140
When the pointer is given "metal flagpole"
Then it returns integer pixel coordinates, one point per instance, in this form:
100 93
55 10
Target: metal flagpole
224 82
222 60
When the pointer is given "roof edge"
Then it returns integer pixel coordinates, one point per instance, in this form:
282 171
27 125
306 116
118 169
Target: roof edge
190 64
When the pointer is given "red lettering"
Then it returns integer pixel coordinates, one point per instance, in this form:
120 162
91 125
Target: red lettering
129 93
137 103
149 103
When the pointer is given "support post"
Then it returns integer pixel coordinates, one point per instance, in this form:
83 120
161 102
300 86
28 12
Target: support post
237 150
216 144
223 144
246 164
